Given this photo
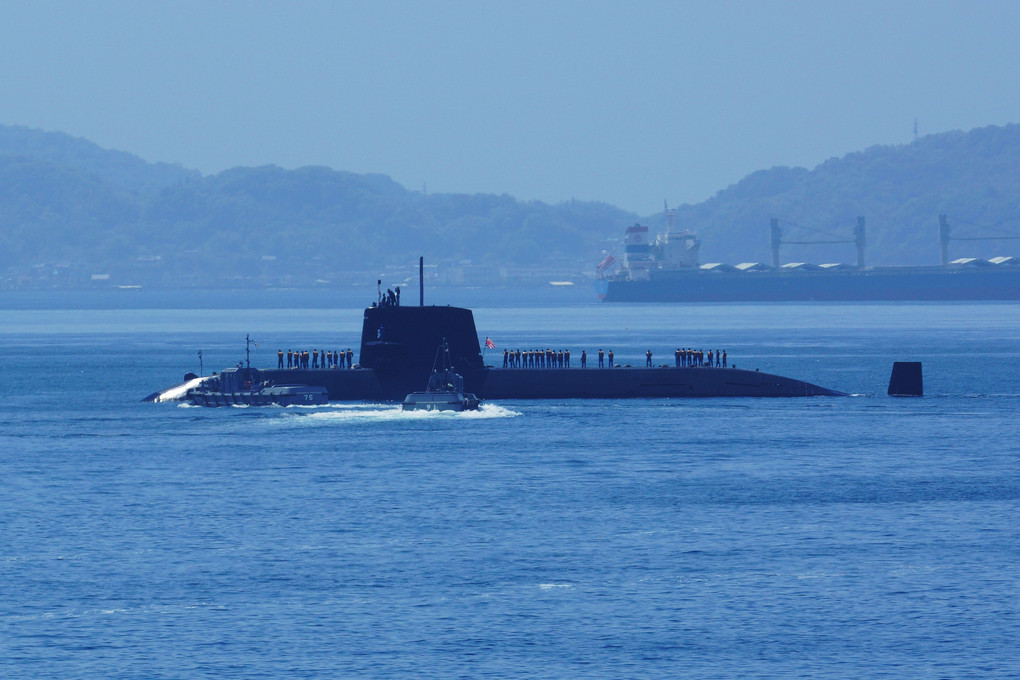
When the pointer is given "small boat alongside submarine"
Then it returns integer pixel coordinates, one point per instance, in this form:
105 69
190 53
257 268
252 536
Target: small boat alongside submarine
247 387
445 391
242 386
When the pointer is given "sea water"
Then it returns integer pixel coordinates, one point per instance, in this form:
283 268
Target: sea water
829 537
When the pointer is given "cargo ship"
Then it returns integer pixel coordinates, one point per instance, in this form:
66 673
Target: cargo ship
666 268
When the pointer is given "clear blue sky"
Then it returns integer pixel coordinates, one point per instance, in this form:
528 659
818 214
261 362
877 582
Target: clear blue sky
624 102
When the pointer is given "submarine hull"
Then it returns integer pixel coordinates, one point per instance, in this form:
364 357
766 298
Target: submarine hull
563 383
398 355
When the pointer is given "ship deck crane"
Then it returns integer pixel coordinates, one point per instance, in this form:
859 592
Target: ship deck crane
945 236
776 238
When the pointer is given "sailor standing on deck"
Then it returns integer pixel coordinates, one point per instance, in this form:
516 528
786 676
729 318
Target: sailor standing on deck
611 364
584 358
601 364
279 358
648 358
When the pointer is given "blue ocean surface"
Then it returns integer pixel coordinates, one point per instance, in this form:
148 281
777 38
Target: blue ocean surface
831 537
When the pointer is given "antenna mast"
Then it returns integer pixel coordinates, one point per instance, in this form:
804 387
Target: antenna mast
669 215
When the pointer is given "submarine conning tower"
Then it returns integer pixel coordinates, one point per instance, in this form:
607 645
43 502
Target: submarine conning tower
405 339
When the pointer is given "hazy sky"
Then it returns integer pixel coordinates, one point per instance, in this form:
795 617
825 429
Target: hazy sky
624 102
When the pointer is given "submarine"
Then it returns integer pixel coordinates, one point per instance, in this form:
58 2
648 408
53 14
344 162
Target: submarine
398 350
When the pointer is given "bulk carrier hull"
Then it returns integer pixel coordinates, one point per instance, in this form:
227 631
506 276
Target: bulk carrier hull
995 282
666 269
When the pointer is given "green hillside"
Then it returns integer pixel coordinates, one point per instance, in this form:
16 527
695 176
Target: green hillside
900 190
74 214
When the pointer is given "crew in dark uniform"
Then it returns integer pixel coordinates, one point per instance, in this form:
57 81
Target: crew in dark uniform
279 358
724 358
611 364
506 357
676 356
350 357
601 364
290 359
718 358
710 358
584 358
566 357
648 358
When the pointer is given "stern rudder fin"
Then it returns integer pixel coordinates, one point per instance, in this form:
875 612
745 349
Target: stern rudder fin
906 379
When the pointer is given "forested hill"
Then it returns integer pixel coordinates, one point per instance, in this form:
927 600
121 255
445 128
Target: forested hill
73 214
972 177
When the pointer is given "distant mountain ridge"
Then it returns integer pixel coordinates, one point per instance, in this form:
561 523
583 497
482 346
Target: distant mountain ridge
119 168
72 213
900 190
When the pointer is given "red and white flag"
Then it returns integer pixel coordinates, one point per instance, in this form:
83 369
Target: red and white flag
490 344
